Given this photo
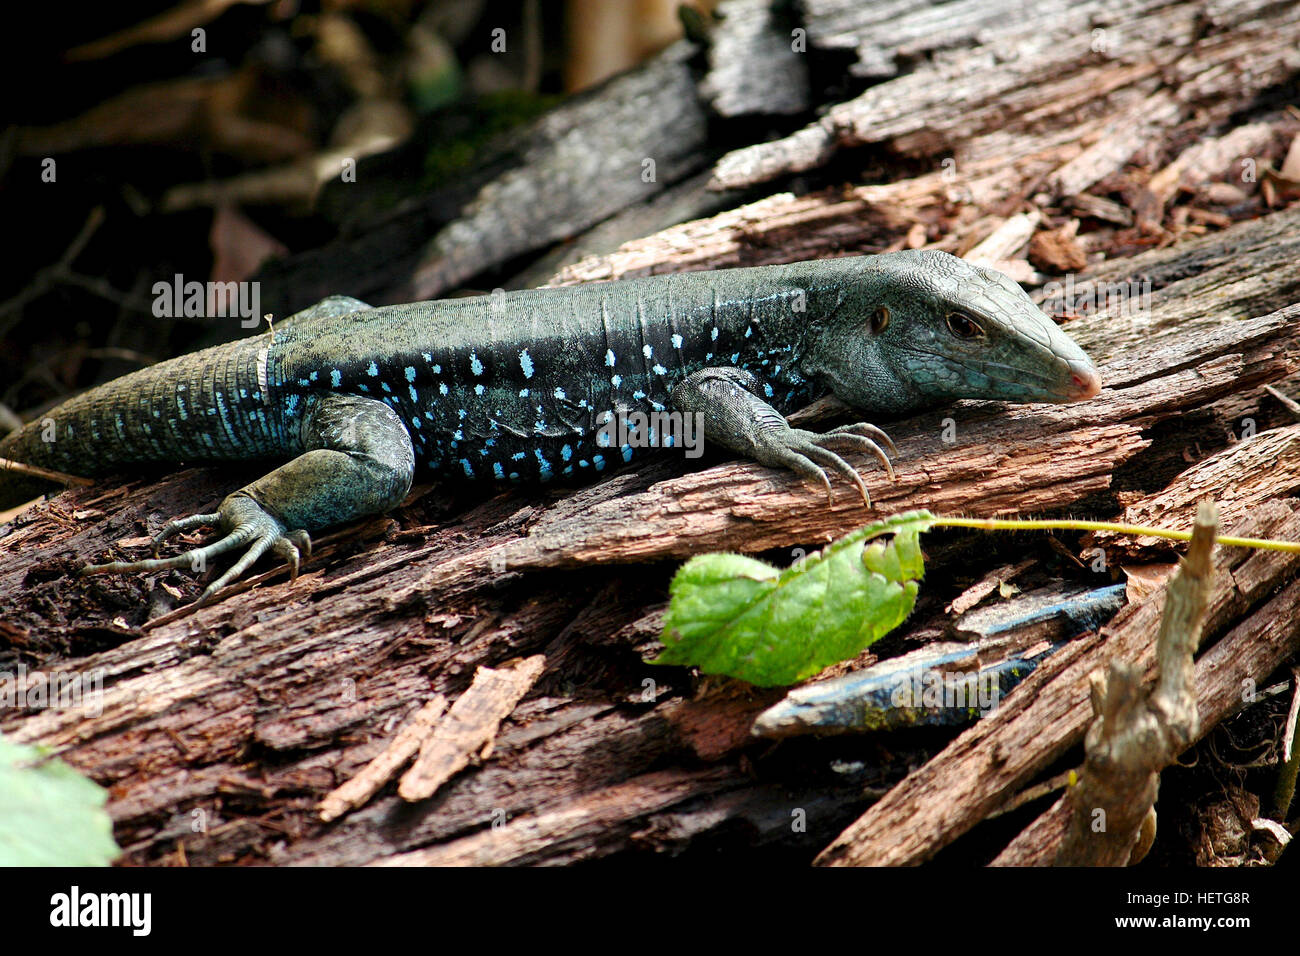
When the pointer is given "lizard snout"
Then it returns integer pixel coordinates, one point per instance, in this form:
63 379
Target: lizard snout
1085 379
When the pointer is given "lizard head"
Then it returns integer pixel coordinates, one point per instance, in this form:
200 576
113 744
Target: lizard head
924 327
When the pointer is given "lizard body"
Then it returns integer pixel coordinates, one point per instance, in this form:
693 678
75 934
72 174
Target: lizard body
517 386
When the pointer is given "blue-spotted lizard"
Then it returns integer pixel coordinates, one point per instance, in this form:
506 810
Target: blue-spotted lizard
523 386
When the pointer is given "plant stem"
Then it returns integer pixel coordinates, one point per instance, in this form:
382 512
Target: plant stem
1015 524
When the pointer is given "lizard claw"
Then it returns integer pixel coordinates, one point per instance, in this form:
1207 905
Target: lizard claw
846 434
870 431
292 547
246 525
804 452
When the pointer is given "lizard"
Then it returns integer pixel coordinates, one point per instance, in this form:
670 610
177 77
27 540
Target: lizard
517 386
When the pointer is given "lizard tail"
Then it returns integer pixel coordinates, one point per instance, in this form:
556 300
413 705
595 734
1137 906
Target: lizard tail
211 405
15 487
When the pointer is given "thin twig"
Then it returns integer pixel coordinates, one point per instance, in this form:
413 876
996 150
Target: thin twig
63 479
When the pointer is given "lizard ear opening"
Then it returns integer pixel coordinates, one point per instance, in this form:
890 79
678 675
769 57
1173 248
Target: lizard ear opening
879 320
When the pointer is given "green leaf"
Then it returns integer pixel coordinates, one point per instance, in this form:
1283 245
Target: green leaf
744 618
50 815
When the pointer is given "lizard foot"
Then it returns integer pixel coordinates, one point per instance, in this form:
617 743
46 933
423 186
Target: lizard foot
246 525
804 452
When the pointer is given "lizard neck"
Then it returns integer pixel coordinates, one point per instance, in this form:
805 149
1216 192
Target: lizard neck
835 331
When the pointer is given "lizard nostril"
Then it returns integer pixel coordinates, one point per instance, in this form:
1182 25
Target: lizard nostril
1086 381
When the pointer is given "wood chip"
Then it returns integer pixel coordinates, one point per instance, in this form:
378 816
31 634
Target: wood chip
1142 580
1056 252
469 726
1222 194
987 585
1006 240
1210 218
1291 165
1098 207
379 771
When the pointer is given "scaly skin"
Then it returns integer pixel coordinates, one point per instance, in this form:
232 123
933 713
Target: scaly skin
517 386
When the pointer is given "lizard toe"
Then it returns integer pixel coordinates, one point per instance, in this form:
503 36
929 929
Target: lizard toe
827 457
180 525
195 559
259 547
800 464
293 548
865 443
870 431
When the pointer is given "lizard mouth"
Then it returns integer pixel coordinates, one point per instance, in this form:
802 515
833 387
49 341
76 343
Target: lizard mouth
1070 379
1066 380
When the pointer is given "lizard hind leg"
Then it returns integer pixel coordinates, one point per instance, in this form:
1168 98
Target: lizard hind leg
356 459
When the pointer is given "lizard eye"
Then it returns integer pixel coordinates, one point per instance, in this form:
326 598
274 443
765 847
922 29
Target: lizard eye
963 326
879 320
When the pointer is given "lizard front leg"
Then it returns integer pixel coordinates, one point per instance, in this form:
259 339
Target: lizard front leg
737 418
357 460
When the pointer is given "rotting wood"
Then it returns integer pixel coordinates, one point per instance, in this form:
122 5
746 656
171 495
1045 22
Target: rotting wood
986 585
1243 657
1243 476
753 67
577 829
984 767
1057 75
1133 735
870 218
